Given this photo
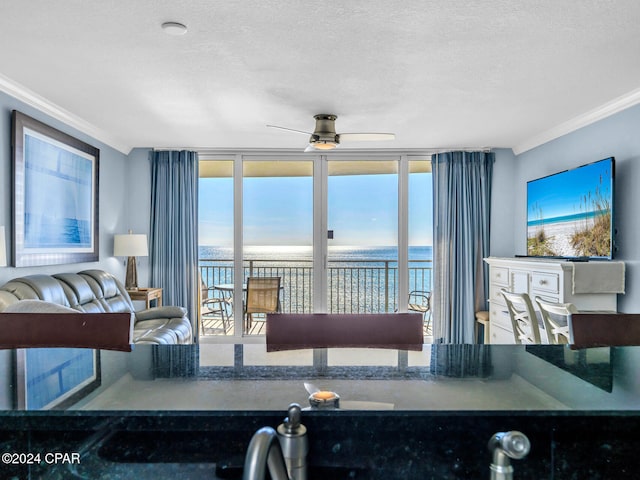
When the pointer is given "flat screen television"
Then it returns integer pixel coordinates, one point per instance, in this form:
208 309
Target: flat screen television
570 213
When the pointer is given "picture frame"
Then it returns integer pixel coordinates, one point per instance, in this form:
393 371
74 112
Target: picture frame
55 378
55 195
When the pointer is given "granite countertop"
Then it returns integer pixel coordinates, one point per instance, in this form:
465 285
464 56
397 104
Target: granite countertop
235 377
158 412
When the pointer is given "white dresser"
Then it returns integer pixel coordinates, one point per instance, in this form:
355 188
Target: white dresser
589 286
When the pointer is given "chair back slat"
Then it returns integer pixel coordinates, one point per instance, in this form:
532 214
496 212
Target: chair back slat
557 331
523 317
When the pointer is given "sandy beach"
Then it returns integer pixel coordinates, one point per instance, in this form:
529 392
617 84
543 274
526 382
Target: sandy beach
559 235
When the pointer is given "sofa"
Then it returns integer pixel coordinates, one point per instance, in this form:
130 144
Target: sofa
97 291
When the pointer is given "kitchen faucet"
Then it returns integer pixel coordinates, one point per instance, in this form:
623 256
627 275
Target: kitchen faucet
283 452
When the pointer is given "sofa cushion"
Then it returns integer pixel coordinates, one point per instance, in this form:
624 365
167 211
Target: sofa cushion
38 306
79 293
108 290
37 287
154 337
181 329
161 312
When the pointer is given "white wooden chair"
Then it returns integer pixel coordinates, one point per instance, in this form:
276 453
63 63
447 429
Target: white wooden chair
523 317
556 332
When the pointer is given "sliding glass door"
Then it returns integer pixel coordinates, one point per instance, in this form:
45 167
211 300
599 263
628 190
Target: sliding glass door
278 232
216 245
344 233
362 252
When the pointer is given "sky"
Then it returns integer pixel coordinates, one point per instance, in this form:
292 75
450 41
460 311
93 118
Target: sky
362 210
561 194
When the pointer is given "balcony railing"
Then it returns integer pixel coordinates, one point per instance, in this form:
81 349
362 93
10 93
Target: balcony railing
354 286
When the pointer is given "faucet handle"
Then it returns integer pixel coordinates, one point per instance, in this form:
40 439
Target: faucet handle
514 444
293 421
507 445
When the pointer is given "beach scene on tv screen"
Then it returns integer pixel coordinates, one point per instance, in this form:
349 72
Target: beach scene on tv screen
569 213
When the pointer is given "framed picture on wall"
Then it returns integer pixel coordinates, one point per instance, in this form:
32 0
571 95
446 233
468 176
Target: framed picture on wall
55 378
55 195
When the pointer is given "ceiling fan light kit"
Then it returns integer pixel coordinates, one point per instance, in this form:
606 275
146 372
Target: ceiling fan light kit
323 144
324 136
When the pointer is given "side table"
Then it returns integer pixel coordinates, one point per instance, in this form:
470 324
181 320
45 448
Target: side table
147 295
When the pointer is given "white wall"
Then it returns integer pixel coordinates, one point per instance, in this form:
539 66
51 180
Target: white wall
139 194
503 190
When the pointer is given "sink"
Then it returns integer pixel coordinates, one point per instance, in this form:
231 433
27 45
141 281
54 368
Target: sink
314 472
193 471
96 469
183 455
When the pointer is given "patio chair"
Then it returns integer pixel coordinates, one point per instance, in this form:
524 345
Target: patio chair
212 307
420 301
523 317
263 296
556 319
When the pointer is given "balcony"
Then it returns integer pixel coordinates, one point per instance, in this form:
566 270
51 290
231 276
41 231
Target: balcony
354 285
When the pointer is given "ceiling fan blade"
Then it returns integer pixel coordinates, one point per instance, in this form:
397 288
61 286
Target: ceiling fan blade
289 129
366 137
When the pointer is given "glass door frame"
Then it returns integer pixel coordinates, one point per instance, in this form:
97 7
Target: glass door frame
320 216
238 240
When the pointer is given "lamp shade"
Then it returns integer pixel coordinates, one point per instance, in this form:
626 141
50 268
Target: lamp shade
130 245
3 248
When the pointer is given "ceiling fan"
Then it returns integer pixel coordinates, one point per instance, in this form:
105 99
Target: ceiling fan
324 136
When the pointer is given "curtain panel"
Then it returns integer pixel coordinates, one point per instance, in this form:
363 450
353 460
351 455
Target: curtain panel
173 239
461 216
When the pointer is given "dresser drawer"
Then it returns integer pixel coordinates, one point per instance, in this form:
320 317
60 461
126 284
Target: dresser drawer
498 315
499 276
545 282
543 296
499 335
495 297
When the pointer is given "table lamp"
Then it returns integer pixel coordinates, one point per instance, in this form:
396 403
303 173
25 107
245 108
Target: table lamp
131 246
3 249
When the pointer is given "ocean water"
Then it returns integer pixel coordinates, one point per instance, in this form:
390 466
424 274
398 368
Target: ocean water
567 218
360 279
305 253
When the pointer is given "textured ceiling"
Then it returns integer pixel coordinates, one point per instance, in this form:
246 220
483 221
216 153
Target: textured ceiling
439 74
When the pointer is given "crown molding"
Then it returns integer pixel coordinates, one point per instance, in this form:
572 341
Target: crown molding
23 94
610 108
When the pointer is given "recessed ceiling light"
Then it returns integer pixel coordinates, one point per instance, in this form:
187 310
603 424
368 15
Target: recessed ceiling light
174 28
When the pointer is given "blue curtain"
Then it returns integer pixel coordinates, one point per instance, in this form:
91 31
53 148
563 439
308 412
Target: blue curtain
461 216
174 228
